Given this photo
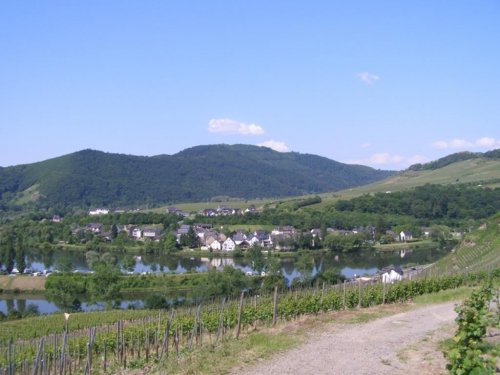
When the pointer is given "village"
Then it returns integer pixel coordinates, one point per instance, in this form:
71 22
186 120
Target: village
209 238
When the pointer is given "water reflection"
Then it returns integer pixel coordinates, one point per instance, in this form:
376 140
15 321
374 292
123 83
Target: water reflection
292 268
365 262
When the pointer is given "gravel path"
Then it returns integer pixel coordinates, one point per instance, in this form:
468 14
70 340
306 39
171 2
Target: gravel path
373 348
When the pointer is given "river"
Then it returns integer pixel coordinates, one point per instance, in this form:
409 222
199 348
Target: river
367 262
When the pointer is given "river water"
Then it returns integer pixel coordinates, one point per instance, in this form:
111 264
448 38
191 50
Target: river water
348 265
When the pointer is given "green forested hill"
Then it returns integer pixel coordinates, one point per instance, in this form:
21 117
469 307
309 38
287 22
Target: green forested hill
93 178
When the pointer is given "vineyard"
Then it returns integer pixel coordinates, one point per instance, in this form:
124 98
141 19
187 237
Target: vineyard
99 342
478 251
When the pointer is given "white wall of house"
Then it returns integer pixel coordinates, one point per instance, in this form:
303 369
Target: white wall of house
137 233
405 236
228 245
215 245
391 276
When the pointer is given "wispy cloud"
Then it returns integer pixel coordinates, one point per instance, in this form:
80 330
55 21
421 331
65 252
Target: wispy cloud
388 160
366 145
368 78
455 143
462 144
488 142
275 145
230 126
385 158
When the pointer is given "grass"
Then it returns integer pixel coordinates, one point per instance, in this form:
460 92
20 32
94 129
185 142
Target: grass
444 296
22 283
425 244
29 195
233 203
231 353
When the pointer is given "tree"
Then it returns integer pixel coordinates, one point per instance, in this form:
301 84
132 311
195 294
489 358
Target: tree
104 282
192 238
169 243
128 263
20 254
256 257
114 231
9 253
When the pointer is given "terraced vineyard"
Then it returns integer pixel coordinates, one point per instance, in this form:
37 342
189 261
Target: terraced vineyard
478 251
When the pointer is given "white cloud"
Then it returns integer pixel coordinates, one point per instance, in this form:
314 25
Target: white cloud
275 145
366 145
367 78
385 158
229 126
488 142
455 143
462 144
440 144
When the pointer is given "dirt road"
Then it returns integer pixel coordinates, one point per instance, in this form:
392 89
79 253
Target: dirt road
404 343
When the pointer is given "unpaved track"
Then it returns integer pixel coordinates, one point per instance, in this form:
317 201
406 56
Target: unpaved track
370 348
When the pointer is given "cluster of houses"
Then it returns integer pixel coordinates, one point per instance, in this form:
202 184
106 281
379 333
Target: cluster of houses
210 239
131 231
226 211
280 238
208 212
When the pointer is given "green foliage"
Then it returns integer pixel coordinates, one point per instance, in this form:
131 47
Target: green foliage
155 302
229 282
92 178
466 356
256 257
345 243
430 202
256 308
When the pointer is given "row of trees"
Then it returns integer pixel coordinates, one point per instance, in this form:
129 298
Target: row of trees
12 252
430 202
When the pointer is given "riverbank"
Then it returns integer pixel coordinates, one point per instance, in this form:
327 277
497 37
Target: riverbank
22 283
413 245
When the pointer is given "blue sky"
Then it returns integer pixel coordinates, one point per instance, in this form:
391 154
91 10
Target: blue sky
381 83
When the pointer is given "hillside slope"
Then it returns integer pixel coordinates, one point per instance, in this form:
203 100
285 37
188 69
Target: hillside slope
93 178
479 170
478 251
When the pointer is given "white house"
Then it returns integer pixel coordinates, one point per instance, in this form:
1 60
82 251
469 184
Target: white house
137 233
391 274
406 236
99 211
215 245
151 233
228 244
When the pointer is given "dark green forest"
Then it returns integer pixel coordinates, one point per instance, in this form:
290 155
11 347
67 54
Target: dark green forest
431 202
92 178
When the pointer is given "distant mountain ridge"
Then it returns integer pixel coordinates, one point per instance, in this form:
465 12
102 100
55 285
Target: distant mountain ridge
93 178
453 158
